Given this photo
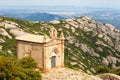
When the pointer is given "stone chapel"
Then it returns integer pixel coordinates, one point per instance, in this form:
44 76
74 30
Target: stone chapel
47 51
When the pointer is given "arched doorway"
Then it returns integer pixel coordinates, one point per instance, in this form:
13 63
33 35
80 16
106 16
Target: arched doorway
53 61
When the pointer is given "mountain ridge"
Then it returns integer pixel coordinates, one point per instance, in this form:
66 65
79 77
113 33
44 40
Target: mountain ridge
42 17
90 43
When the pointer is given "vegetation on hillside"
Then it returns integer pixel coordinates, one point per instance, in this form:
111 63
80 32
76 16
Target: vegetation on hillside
12 69
105 69
88 43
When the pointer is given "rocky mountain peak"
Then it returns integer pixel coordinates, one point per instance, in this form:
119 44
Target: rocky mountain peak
88 43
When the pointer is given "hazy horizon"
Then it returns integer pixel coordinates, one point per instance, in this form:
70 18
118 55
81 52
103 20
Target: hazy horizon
22 4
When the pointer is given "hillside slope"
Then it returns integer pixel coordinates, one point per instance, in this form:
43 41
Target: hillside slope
88 43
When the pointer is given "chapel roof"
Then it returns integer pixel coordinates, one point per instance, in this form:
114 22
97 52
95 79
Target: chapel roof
33 38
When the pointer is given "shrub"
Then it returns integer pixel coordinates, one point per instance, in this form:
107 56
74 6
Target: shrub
116 71
12 69
28 62
102 69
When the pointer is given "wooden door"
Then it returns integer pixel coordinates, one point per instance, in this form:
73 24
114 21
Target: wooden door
53 61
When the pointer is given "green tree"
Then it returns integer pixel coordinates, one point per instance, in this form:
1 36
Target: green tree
28 62
12 69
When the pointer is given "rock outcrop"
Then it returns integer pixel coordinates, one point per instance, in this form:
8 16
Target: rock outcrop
109 76
68 74
88 43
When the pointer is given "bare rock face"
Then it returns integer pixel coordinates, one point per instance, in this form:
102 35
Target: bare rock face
100 49
109 76
68 74
55 22
17 32
72 22
85 48
100 43
13 28
9 25
108 40
86 18
105 61
73 29
111 27
100 35
5 33
113 60
67 26
88 43
86 29
2 41
1 48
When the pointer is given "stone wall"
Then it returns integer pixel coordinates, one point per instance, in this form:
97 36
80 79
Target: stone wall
34 50
55 46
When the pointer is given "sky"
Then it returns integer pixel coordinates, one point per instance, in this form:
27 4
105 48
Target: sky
79 3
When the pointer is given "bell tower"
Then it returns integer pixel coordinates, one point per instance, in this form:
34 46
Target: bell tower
53 33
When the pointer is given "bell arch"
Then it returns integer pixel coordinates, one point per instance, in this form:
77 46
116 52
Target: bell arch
53 33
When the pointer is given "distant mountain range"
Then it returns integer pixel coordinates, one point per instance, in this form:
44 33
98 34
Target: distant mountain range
37 16
104 15
42 17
